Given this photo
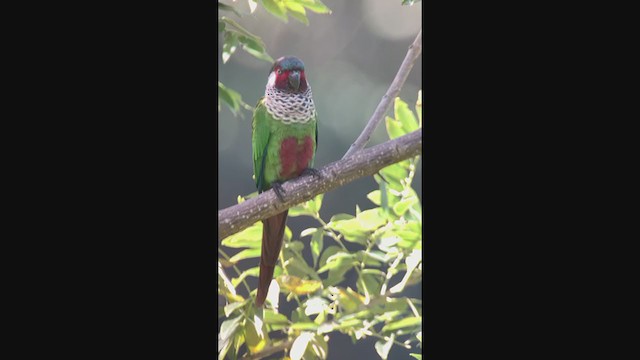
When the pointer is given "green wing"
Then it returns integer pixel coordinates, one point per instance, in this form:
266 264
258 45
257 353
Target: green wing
260 141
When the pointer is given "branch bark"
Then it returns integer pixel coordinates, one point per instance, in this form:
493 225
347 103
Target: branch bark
364 163
394 89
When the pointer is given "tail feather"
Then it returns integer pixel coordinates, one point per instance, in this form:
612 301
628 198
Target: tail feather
272 236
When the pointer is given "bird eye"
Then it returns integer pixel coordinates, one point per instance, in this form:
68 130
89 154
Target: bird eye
279 71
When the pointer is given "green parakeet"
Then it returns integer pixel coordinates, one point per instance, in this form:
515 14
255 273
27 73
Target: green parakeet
284 142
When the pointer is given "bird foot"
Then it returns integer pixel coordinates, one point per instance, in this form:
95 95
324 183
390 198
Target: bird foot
312 172
278 189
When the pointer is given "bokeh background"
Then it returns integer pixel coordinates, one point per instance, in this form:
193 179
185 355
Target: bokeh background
350 56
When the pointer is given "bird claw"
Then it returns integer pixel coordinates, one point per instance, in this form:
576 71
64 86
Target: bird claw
312 172
279 190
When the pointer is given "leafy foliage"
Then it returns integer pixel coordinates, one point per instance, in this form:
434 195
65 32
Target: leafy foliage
388 238
235 36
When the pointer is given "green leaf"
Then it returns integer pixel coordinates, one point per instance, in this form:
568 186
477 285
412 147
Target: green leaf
300 267
226 7
403 205
316 245
245 254
328 252
230 45
375 197
337 265
409 2
231 307
272 317
250 237
227 330
297 11
277 8
221 26
296 246
254 271
232 98
351 230
405 116
315 204
300 210
300 345
233 25
403 323
394 128
315 5
383 347
371 219
341 216
255 48
417 356
372 283
304 326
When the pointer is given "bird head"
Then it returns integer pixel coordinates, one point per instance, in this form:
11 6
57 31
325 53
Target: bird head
287 74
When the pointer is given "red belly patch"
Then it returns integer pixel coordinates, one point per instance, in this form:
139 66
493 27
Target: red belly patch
295 156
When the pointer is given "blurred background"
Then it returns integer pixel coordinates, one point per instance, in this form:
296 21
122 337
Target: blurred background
350 56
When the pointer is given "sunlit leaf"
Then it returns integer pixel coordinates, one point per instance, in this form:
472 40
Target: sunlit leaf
316 245
300 345
374 196
277 8
315 305
231 307
412 262
245 254
294 284
316 6
371 219
297 11
315 204
254 341
405 116
403 323
383 347
227 331
273 294
271 317
250 237
304 326
394 128
296 246
417 356
252 5
227 285
327 253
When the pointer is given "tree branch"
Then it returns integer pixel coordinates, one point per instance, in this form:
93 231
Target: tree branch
364 163
394 89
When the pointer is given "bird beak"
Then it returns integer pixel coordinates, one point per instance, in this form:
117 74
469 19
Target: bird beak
294 79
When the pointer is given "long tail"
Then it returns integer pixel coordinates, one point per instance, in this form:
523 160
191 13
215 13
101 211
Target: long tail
272 235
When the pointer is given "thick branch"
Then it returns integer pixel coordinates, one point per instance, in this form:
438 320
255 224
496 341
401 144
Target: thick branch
364 163
269 350
394 89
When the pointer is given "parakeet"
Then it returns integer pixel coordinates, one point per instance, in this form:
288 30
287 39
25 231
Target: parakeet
284 141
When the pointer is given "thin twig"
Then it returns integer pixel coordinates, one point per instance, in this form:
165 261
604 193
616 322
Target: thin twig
394 89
